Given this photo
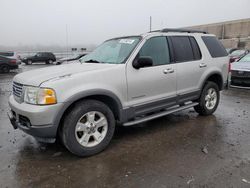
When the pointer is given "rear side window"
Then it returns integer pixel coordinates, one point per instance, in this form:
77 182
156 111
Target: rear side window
182 49
214 46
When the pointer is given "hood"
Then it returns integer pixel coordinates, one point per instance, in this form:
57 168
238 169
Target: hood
241 66
39 76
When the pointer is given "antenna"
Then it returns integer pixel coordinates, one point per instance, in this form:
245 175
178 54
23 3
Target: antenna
150 23
67 41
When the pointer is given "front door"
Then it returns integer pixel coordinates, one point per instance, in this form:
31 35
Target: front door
154 87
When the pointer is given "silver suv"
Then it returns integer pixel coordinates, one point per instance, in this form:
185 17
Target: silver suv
125 81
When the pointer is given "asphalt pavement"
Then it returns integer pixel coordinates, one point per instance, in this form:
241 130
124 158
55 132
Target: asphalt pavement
179 150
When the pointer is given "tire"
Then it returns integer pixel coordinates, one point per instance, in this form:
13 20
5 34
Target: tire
80 130
29 62
49 61
209 99
5 69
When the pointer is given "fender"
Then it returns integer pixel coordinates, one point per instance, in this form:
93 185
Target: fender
85 94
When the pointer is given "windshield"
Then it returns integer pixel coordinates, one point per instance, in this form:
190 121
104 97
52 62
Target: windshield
246 58
238 52
114 51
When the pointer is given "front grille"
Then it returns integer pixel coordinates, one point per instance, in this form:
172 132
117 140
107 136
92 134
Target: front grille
17 89
240 81
238 73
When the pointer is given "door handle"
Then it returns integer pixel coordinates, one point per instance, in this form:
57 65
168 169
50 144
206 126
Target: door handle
202 65
168 70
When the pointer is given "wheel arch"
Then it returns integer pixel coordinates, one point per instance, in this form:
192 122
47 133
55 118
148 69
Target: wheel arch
215 77
107 97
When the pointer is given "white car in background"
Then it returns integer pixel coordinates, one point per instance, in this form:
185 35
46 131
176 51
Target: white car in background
11 55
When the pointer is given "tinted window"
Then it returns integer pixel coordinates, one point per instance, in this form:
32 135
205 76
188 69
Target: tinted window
214 46
157 49
196 49
182 48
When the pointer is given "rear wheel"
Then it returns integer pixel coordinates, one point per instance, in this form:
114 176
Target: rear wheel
88 128
49 62
5 69
29 62
209 99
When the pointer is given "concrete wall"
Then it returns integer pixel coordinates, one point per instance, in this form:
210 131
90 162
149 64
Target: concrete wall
232 33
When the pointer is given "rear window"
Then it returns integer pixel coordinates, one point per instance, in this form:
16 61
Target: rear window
8 54
214 46
185 48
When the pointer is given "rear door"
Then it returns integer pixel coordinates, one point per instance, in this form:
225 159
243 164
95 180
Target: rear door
189 66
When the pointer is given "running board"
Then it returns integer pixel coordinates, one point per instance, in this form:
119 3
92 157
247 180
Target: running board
160 114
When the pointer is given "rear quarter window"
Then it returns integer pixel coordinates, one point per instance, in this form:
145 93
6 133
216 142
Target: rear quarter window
214 46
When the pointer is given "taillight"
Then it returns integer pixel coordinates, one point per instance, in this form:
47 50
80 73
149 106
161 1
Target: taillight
13 61
231 60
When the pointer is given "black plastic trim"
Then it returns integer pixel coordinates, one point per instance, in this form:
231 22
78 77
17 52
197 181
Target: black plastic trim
155 106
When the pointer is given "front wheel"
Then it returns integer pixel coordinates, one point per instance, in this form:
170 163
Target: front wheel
88 128
209 99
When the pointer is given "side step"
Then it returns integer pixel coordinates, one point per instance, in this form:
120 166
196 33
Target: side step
160 114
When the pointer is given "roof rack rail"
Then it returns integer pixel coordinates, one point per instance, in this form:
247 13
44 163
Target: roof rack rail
166 30
183 30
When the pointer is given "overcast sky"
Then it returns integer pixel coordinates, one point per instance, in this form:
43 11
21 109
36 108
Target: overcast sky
32 22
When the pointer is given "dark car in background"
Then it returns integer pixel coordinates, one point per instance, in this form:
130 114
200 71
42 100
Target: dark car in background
240 73
235 55
7 64
70 58
46 57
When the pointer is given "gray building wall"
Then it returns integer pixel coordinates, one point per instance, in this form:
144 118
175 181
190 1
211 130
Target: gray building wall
232 33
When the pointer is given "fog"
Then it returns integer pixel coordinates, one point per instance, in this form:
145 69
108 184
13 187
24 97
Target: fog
82 22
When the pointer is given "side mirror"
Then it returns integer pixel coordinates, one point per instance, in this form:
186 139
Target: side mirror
144 61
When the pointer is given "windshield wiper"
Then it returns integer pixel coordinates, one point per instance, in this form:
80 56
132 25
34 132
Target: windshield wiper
92 61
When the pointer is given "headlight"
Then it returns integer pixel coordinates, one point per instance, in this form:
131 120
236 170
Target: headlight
41 96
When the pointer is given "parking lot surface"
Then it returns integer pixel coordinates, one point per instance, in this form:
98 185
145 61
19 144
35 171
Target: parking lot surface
178 150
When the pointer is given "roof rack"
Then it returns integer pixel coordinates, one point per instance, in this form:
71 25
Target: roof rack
166 30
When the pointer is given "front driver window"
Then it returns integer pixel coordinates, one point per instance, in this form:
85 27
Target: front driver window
157 49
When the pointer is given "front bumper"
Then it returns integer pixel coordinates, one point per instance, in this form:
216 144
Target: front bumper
240 82
38 121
